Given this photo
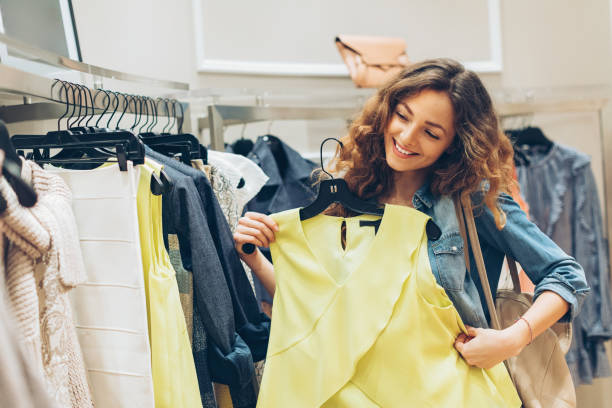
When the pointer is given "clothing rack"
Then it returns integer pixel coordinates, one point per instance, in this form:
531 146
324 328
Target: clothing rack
16 82
222 115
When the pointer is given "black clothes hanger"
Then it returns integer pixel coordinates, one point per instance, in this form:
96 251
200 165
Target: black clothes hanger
532 136
335 190
82 146
528 136
243 146
183 146
11 170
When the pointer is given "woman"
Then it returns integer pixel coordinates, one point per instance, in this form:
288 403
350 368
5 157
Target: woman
428 137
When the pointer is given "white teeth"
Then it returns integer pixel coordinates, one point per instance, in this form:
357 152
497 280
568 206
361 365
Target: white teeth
402 150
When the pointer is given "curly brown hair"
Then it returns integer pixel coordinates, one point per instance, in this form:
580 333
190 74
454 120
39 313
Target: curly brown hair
480 151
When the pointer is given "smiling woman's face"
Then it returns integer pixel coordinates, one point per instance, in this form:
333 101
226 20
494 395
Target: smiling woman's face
420 130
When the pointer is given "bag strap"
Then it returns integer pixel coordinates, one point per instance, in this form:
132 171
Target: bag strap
465 215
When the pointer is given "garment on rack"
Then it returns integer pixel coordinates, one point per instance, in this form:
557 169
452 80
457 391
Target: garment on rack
115 343
183 215
252 327
21 383
184 281
43 265
344 320
174 377
559 186
225 191
250 177
289 185
21 386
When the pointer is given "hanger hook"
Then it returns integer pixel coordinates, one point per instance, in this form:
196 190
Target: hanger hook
125 106
180 124
115 103
136 111
244 125
270 126
106 97
145 106
74 101
154 112
321 154
165 101
65 88
93 107
83 90
174 120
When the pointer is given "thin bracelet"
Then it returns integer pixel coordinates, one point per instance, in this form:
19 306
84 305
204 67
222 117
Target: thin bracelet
528 325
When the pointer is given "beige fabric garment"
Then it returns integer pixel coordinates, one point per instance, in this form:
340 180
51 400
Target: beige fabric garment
21 384
43 264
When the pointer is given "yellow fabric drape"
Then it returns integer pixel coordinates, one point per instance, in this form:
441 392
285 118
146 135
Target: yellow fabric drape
367 325
175 383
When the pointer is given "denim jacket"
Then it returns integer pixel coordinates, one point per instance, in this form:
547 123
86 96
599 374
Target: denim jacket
548 267
559 185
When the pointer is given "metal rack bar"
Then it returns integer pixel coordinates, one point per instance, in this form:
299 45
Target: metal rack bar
564 106
221 115
15 81
49 58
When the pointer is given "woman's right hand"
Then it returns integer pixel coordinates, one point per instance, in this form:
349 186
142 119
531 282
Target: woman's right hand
254 228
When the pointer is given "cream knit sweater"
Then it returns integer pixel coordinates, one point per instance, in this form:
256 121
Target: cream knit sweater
43 263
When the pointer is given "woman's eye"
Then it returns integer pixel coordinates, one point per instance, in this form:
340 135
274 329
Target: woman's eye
402 117
433 135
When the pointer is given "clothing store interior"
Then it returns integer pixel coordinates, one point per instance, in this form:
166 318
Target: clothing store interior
162 162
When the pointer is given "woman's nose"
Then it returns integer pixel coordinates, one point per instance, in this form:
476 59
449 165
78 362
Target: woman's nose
407 136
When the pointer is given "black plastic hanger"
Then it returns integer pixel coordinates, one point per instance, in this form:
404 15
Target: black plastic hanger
243 146
532 136
335 190
82 146
11 170
186 145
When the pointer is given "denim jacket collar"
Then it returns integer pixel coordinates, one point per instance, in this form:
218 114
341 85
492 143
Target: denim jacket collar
423 197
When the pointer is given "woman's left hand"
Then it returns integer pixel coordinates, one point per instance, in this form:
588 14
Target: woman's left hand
486 348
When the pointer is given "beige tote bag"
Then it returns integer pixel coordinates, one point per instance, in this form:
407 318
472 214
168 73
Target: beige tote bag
540 372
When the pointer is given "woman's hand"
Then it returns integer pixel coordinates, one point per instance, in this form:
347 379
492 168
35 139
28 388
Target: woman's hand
254 228
486 348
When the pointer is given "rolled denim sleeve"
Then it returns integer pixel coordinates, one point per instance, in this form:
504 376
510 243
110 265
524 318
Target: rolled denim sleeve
547 265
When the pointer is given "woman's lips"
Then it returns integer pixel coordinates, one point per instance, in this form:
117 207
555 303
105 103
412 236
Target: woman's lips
402 152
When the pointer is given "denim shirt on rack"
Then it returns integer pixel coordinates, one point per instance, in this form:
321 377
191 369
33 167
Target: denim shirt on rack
559 186
548 267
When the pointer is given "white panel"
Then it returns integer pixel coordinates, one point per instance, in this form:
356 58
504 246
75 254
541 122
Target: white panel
281 37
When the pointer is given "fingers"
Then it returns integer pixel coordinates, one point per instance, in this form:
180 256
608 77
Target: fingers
241 238
258 228
459 345
471 331
255 228
262 218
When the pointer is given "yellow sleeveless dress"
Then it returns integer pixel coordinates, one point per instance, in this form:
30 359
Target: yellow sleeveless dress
367 326
175 382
